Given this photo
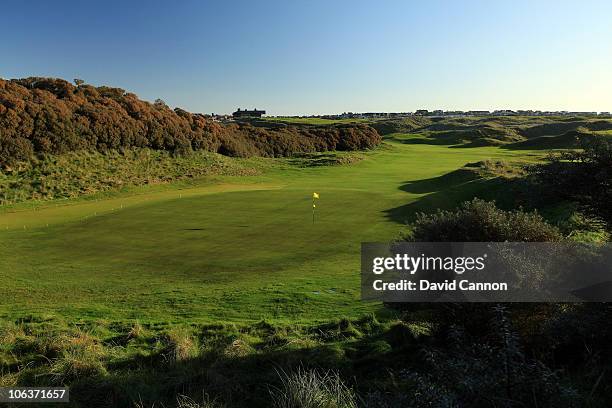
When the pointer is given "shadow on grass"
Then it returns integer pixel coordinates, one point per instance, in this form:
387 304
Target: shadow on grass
449 190
454 178
569 140
240 372
427 141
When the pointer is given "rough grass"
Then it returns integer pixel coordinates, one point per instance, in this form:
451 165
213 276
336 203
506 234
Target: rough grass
512 131
187 402
189 365
178 291
312 389
179 345
82 173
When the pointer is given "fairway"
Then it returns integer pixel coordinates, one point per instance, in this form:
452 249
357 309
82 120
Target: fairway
238 249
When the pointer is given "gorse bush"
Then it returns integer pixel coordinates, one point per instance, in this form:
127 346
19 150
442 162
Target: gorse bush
47 115
583 176
484 371
482 221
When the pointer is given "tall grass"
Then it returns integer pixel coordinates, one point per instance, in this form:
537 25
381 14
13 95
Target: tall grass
183 401
179 345
312 389
207 402
81 357
81 173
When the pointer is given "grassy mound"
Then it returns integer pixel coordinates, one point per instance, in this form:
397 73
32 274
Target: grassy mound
405 125
458 132
561 127
569 140
79 173
512 131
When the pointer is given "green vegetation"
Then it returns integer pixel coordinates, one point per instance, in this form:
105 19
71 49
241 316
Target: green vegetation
582 176
513 132
191 279
405 125
312 389
84 173
230 249
482 221
223 364
45 115
312 121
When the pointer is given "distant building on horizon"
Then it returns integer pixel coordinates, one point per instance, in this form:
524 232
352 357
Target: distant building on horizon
248 113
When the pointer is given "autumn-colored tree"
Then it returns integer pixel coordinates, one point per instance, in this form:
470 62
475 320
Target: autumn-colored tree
49 115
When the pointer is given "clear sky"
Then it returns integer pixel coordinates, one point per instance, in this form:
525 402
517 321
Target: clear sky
330 56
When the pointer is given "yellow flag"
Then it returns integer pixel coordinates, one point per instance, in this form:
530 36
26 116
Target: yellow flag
315 195
314 206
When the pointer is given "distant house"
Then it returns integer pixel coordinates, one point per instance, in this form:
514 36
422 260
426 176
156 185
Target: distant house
248 113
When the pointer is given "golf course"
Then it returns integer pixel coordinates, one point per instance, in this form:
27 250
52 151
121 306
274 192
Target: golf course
209 204
229 248
153 257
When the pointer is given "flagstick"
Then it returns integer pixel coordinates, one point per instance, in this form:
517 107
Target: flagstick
313 209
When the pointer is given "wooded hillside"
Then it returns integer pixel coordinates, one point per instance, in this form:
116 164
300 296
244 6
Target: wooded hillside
48 115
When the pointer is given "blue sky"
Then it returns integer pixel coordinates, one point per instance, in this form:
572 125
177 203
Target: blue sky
311 57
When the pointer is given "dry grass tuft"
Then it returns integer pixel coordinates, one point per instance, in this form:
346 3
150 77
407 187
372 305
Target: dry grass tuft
81 356
137 331
179 345
238 348
312 389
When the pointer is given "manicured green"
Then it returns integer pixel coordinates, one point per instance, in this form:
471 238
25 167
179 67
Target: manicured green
228 249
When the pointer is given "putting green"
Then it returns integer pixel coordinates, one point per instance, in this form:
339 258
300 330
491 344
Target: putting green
239 250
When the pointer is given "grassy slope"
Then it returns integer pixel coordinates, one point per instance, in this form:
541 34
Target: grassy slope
80 173
239 250
314 121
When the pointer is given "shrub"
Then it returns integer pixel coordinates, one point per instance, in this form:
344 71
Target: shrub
48 115
492 370
482 221
583 176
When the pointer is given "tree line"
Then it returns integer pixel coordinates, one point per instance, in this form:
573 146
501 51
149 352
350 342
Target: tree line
49 115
